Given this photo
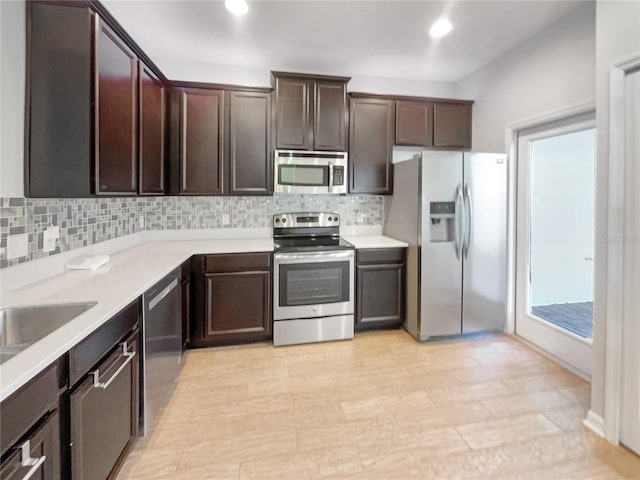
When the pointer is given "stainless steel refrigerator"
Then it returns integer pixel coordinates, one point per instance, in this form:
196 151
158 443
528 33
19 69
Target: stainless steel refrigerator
451 207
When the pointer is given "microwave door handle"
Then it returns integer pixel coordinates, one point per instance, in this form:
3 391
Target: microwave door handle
330 182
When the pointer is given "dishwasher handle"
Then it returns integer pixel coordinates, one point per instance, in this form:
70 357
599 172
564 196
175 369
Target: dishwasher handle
163 293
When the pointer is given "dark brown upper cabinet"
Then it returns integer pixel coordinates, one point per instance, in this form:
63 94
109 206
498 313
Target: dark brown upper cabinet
220 140
201 125
152 133
83 105
249 169
414 123
311 112
433 123
452 125
371 135
116 155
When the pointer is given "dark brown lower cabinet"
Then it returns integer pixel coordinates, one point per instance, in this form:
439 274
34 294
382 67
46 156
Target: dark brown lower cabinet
232 299
104 413
380 288
43 457
186 304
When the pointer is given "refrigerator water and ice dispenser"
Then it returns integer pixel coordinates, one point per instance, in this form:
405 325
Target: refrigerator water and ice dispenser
442 216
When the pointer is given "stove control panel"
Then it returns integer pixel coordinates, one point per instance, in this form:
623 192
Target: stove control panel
306 219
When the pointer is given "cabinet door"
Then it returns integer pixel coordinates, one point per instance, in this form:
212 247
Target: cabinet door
201 142
371 132
116 153
237 306
330 118
152 132
58 154
380 296
250 168
104 417
43 450
414 123
452 125
293 119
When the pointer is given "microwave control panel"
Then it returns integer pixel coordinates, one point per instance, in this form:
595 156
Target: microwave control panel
338 175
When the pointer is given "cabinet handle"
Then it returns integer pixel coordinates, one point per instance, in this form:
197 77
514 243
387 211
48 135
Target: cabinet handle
29 461
96 374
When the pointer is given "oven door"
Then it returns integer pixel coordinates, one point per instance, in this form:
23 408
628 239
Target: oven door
313 284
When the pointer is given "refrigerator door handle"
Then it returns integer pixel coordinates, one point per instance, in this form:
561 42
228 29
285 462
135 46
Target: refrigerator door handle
468 214
458 219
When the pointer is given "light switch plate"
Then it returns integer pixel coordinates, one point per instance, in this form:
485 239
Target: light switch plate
17 246
225 219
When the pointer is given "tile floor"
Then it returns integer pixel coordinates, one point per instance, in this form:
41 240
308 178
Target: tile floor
379 407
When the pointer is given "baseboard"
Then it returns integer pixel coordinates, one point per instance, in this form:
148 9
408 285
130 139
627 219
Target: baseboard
595 423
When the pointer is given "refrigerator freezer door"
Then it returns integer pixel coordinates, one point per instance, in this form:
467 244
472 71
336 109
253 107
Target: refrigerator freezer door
441 275
485 260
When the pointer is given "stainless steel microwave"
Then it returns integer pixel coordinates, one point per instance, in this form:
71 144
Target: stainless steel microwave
310 172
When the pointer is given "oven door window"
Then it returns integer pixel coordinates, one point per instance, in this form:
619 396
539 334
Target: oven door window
313 283
304 175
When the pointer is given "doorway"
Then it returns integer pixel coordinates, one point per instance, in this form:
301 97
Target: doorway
555 240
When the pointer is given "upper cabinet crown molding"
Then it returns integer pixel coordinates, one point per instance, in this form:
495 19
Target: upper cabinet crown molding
311 112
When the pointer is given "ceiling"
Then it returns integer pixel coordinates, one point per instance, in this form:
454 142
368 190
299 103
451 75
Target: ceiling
387 39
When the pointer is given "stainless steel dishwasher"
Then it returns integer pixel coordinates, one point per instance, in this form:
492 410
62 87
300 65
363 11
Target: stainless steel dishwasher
161 348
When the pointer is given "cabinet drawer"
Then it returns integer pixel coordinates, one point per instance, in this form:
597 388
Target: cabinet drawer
88 352
22 409
380 255
237 262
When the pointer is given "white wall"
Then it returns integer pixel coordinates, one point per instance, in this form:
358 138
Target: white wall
552 70
618 37
562 212
12 78
261 77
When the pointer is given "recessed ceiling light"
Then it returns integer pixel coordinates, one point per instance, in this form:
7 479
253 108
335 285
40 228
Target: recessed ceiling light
440 28
237 7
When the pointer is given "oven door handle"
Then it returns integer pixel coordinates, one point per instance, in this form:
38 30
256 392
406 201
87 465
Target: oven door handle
306 256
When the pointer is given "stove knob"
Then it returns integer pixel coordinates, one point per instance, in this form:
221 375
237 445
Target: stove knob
277 220
284 220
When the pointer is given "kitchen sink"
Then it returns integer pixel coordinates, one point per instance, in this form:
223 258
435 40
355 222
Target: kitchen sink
20 327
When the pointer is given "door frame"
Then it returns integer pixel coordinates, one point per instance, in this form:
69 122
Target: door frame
512 132
617 314
570 349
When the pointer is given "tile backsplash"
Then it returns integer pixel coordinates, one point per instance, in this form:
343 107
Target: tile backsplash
87 221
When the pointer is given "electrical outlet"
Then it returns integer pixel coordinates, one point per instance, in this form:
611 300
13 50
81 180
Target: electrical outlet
141 222
17 246
49 238
225 219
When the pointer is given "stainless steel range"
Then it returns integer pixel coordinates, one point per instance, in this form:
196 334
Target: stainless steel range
313 295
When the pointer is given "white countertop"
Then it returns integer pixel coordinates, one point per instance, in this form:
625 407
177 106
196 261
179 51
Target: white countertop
374 241
127 276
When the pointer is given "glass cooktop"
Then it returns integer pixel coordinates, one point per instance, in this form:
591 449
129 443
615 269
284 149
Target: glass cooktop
307 244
